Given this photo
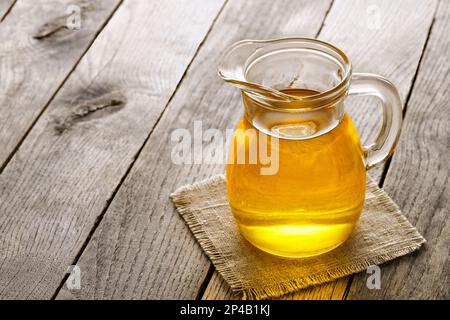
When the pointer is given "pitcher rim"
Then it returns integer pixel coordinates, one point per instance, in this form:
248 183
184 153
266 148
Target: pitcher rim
334 93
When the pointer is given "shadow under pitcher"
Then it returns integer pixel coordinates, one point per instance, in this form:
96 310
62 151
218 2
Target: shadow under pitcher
293 93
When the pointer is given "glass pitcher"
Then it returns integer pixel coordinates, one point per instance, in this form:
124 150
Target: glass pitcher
293 93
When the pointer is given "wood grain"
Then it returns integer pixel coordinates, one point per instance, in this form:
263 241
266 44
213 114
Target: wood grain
63 176
383 37
5 6
392 50
418 180
38 52
142 248
218 289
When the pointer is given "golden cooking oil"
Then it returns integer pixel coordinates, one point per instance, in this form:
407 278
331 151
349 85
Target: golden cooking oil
313 202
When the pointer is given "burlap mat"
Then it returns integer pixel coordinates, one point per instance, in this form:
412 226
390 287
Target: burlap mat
382 234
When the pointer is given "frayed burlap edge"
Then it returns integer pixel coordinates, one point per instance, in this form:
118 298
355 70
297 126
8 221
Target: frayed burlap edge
182 201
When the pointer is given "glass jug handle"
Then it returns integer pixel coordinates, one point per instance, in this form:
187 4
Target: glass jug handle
366 84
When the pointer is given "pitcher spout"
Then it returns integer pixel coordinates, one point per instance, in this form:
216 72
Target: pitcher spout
236 60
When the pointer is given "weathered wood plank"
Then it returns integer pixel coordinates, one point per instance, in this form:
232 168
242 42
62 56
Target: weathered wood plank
38 52
142 249
418 179
383 37
218 289
63 176
5 6
390 45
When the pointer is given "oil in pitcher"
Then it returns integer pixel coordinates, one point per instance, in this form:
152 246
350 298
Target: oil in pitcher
313 202
293 93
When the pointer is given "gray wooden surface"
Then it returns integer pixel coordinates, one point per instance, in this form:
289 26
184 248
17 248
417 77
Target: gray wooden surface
5 7
86 117
37 54
366 48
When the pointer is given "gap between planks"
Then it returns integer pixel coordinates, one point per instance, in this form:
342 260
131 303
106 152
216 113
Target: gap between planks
190 90
408 94
211 270
420 162
52 97
72 96
387 164
109 201
324 18
6 10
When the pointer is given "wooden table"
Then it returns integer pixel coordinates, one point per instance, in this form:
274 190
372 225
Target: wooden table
85 124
